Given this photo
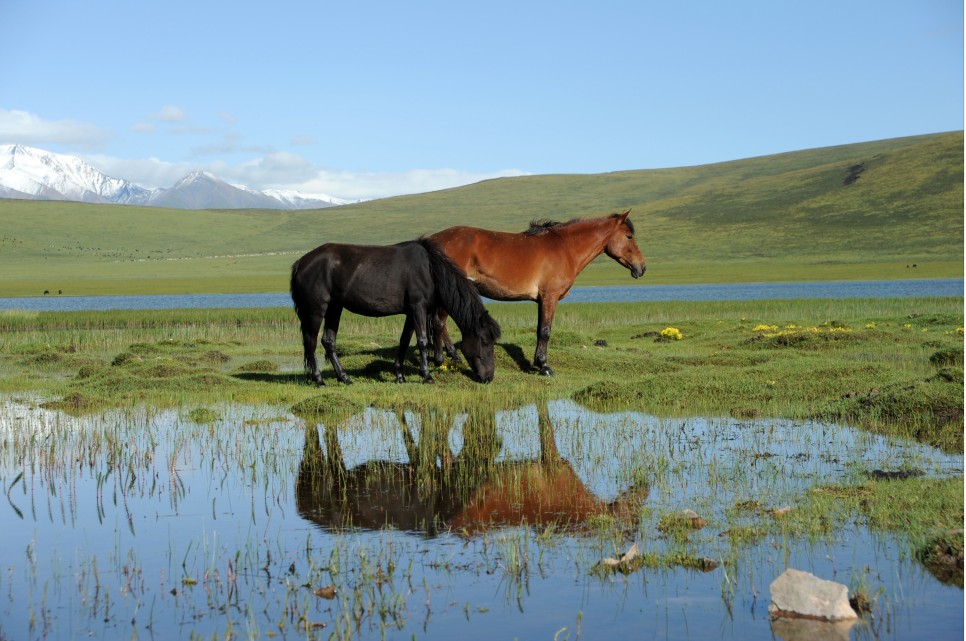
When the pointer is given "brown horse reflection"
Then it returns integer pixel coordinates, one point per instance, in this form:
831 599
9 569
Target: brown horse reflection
438 490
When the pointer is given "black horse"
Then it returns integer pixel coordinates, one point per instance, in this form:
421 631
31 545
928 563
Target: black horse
414 278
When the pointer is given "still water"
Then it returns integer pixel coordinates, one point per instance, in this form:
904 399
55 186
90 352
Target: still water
633 293
256 523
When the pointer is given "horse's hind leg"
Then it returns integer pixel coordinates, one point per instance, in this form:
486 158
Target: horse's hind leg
407 335
547 307
332 317
310 339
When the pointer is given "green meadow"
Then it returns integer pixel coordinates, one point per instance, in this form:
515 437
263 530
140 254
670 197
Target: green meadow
890 209
890 365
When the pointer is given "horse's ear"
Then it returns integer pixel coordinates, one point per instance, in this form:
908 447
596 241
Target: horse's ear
625 214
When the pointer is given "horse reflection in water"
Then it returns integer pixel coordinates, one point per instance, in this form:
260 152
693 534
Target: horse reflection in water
438 490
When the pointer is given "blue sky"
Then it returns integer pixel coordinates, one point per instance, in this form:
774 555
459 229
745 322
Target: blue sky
360 99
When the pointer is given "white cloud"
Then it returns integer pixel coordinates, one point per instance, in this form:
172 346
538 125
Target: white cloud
170 113
286 170
359 186
303 140
26 128
151 173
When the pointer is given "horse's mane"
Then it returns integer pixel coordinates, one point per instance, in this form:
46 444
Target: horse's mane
460 298
542 226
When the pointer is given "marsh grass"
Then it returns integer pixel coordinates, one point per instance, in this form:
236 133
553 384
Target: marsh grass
893 366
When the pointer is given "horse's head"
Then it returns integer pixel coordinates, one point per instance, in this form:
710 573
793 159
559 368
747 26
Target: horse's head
477 347
622 247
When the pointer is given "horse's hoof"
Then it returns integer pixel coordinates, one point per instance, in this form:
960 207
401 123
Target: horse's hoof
346 380
400 378
319 382
428 380
546 371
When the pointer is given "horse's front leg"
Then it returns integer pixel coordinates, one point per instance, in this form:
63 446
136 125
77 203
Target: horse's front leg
547 307
404 339
442 343
332 317
420 321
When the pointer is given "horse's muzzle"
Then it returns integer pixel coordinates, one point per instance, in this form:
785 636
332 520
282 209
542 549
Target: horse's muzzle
637 272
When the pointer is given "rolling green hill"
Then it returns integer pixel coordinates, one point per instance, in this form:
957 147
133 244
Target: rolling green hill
862 211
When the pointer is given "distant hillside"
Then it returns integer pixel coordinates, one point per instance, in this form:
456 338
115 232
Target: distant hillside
868 210
887 198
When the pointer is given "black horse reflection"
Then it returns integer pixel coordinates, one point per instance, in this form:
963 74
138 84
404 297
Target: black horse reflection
438 490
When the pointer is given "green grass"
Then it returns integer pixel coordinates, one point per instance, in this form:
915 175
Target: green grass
784 217
890 365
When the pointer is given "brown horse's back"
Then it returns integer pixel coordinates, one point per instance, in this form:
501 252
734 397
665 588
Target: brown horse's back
504 266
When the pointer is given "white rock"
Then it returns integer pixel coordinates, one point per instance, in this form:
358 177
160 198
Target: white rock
802 594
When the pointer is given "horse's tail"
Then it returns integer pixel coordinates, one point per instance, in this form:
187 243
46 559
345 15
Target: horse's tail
459 297
303 306
298 295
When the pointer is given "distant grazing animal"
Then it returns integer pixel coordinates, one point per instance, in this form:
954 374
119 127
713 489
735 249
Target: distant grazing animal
414 278
539 264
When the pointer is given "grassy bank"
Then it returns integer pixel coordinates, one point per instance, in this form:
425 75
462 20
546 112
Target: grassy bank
889 365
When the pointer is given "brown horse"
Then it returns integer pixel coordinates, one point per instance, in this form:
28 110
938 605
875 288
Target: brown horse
539 264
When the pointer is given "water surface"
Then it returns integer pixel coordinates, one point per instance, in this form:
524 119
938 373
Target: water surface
631 293
149 524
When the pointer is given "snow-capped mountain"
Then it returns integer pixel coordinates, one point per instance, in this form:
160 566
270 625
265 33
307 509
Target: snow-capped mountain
298 200
48 176
35 174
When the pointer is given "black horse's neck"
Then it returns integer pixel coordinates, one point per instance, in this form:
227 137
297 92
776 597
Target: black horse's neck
460 298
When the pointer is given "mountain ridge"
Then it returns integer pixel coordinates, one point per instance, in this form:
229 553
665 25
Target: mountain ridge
29 173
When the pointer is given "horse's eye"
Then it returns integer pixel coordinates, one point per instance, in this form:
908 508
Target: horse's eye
631 237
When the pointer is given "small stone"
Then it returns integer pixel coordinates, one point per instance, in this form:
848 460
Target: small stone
696 521
631 554
327 592
622 564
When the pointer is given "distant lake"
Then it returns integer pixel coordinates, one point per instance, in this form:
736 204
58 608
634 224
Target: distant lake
631 293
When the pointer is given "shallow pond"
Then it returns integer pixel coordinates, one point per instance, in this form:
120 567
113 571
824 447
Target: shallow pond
249 522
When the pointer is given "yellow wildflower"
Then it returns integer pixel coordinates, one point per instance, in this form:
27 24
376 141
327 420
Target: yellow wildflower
672 333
